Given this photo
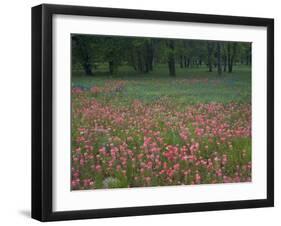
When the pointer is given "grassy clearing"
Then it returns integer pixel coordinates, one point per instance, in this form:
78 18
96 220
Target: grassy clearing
188 87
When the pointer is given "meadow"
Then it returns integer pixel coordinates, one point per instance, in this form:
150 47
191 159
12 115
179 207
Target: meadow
156 130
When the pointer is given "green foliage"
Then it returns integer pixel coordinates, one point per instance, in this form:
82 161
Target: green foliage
143 54
193 86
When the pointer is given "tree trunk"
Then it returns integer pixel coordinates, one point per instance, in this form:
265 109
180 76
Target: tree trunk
146 60
181 61
139 61
148 57
230 68
210 51
111 67
219 58
224 63
87 65
185 61
171 58
172 69
87 68
229 57
150 62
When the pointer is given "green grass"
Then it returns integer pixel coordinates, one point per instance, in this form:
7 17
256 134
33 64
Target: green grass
195 85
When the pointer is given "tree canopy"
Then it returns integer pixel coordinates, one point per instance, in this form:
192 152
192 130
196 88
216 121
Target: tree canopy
143 54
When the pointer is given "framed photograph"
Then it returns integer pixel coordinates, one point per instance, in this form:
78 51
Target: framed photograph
145 112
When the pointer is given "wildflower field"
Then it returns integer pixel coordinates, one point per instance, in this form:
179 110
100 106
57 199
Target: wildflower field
138 131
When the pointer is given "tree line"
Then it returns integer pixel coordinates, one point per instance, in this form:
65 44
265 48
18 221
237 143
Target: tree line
143 54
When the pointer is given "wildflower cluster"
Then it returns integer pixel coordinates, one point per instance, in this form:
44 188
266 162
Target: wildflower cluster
156 144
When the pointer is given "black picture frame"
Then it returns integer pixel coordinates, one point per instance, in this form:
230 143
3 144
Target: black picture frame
42 106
